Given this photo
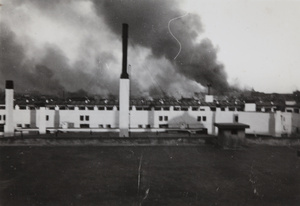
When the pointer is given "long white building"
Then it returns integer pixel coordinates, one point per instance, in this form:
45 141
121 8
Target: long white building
157 115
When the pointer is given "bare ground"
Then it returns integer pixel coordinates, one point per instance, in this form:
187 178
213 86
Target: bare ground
186 175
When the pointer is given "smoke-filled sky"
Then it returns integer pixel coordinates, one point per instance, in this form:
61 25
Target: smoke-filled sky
175 47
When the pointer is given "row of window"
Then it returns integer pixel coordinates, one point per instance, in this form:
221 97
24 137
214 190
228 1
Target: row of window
25 125
156 108
109 126
201 118
176 108
163 118
84 118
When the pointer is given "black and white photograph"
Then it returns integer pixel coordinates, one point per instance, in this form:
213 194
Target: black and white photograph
149 102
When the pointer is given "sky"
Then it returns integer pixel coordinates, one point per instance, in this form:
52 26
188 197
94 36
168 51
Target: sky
175 47
258 41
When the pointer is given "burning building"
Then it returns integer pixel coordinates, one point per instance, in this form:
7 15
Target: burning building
125 115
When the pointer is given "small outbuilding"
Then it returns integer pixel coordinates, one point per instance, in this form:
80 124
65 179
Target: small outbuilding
231 135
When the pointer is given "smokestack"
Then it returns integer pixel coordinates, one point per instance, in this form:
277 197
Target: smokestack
208 89
124 90
209 98
9 108
124 74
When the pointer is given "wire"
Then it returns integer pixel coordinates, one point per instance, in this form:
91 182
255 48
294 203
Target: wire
173 34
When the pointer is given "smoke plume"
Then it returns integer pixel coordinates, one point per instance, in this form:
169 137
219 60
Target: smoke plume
56 46
148 21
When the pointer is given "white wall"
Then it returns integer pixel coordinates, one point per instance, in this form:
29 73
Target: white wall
260 123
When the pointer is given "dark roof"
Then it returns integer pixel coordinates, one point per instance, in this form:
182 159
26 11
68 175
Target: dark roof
231 125
164 102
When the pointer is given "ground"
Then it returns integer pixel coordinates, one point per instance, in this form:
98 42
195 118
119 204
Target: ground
163 175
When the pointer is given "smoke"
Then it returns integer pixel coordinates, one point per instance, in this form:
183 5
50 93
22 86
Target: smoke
148 27
56 46
51 73
15 66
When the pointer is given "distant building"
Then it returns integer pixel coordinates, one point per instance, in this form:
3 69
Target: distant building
264 118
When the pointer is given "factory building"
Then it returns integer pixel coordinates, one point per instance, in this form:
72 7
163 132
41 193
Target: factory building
139 115
144 115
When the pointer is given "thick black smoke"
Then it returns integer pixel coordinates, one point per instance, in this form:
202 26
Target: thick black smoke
148 27
50 74
50 69
15 66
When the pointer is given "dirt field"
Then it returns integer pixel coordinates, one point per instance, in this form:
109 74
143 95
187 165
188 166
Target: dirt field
196 175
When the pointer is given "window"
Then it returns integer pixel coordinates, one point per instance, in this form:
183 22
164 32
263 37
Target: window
0 117
71 108
289 110
160 118
90 108
296 110
100 125
81 108
231 109
199 118
27 125
87 118
84 126
222 108
166 108
4 117
108 126
163 126
148 126
62 108
19 125
267 109
236 118
176 108
202 109
81 117
22 107
213 109
194 108
47 117
166 118
100 108
140 126
204 118
51 108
